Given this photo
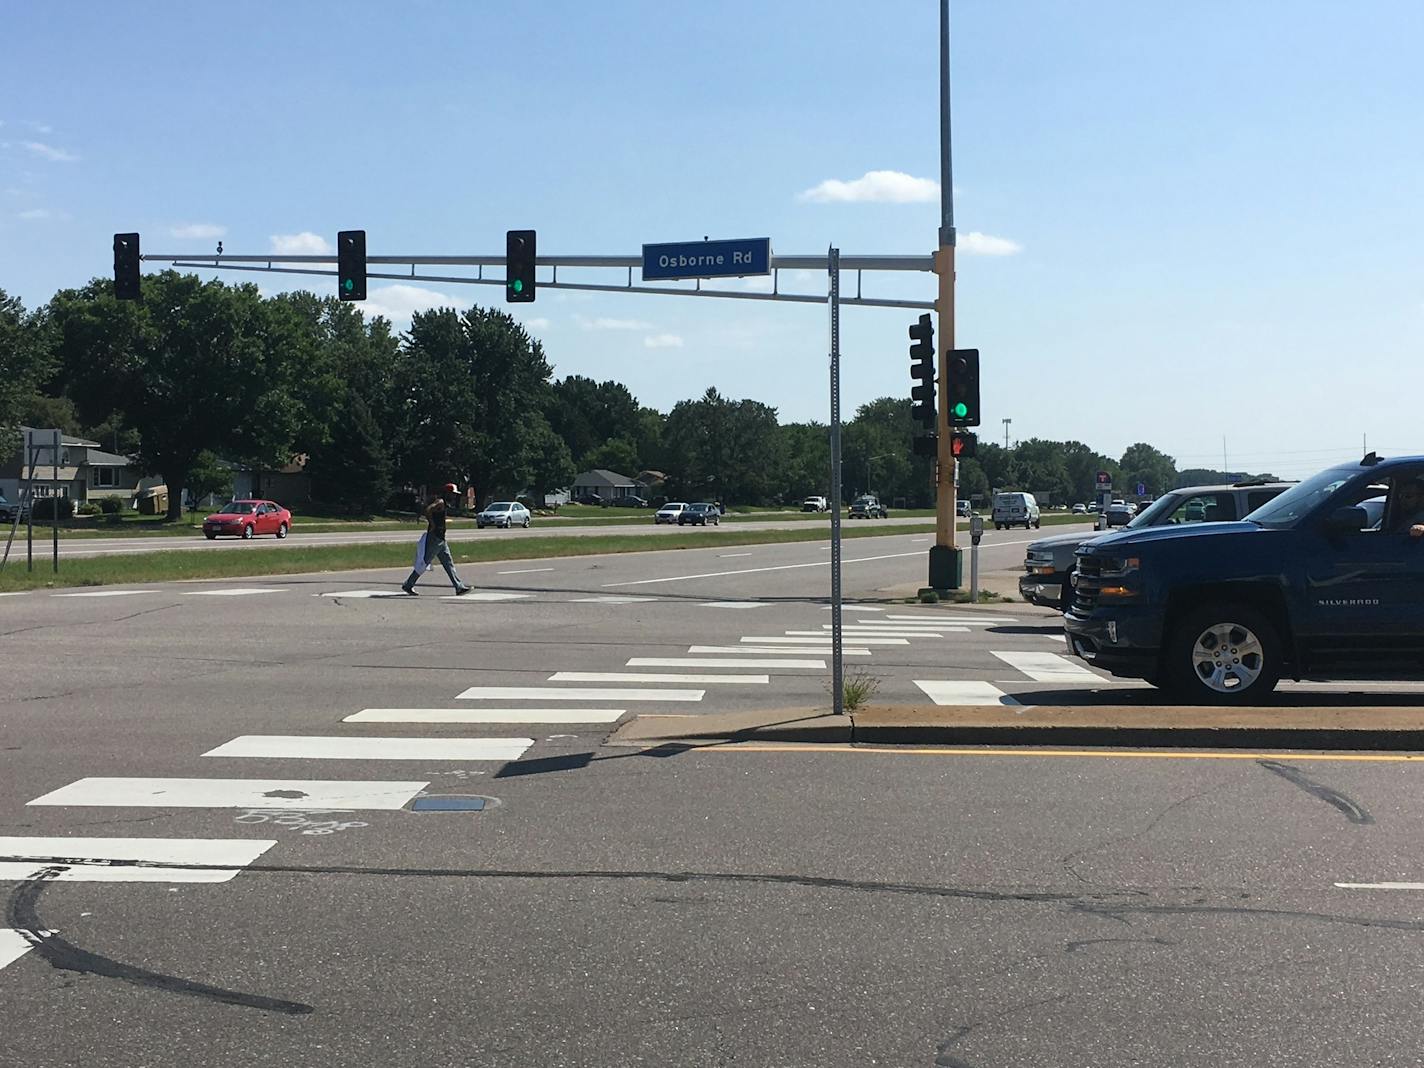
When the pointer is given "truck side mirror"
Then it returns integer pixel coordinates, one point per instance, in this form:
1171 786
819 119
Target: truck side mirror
1348 520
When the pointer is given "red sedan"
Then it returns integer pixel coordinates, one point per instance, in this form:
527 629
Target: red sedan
243 519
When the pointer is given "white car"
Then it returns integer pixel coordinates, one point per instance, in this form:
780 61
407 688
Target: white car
815 504
504 514
668 513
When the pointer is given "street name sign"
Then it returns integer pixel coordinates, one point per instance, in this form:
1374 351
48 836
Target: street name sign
706 259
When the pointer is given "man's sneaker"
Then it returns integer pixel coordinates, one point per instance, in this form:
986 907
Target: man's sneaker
410 591
460 591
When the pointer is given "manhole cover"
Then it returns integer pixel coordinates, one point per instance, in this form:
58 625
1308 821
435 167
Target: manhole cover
448 803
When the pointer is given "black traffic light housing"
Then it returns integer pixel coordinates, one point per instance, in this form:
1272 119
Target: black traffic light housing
964 387
126 267
520 248
963 444
926 444
922 369
351 264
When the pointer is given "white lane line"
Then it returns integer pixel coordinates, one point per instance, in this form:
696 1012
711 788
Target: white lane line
485 595
559 693
303 747
777 650
984 620
922 540
853 608
610 599
872 625
693 661
733 604
1047 667
104 593
362 594
139 860
486 715
15 593
759 570
951 692
1055 637
233 592
728 556
1380 886
234 793
13 945
862 632
815 637
524 571
633 676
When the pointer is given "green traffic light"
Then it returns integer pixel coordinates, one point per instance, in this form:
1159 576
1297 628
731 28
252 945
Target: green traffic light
349 284
961 409
517 285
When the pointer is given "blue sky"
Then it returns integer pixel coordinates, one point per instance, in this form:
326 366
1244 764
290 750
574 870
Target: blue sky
1195 221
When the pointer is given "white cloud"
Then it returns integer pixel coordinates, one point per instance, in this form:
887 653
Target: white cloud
536 324
976 244
34 213
49 152
612 324
399 302
199 230
40 127
662 341
881 187
305 243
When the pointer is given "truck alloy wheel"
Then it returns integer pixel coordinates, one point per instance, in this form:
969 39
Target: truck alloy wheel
1228 654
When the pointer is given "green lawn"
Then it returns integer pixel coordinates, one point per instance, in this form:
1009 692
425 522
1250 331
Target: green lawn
201 564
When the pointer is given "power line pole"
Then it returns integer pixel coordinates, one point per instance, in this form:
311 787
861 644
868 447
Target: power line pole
1006 423
946 566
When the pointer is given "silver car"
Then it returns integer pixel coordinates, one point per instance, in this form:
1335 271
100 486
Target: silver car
504 514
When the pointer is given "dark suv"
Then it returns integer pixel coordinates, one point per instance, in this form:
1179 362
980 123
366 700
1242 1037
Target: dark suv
700 514
1048 565
867 507
1325 581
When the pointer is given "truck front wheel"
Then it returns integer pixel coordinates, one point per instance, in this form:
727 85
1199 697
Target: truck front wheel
1227 654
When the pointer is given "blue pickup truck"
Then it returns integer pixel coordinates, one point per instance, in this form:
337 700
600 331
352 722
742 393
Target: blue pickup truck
1325 581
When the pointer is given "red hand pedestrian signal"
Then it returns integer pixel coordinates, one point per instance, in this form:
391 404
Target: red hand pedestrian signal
963 444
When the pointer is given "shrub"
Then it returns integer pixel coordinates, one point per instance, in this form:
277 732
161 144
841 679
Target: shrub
111 506
44 507
87 509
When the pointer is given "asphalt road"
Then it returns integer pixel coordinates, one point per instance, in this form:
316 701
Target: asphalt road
610 906
81 547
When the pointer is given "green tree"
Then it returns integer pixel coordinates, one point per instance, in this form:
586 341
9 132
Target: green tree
208 476
806 464
615 454
351 469
26 361
586 414
1154 469
552 468
193 365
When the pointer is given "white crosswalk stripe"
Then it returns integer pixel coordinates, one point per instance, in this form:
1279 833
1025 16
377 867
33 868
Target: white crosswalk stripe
574 693
234 793
962 621
303 747
965 692
234 592
733 604
816 637
1047 667
694 661
104 593
779 650
13 946
612 600
857 634
199 860
487 715
633 676
485 595
364 594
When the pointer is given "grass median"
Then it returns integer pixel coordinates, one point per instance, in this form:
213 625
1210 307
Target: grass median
176 565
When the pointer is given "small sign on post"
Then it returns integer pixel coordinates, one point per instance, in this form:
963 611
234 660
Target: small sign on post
976 535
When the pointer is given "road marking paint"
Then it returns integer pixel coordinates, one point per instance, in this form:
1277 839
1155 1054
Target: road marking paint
857 633
779 650
733 604
15 593
234 793
233 592
612 600
1133 754
1055 637
759 570
852 608
362 594
304 747
981 620
963 692
524 571
139 860
898 629
13 945
557 693
486 715
485 595
693 661
815 637
633 676
728 556
1380 886
1047 667
104 593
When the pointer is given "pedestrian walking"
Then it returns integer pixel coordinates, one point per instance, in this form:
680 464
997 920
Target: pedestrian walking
432 547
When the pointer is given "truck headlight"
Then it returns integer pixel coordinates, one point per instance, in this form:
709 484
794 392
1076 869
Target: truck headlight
1126 565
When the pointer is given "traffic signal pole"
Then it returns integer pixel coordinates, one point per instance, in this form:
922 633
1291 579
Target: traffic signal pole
946 569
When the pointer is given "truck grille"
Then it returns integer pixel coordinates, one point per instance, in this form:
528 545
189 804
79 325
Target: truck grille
1087 584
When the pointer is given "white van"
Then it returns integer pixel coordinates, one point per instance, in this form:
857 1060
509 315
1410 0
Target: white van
1011 509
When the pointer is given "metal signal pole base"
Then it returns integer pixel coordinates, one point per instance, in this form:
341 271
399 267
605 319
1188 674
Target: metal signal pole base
946 567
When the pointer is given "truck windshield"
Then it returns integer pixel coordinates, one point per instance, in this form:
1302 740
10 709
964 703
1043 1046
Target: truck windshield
1303 498
1148 516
